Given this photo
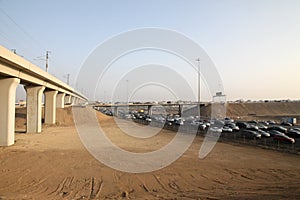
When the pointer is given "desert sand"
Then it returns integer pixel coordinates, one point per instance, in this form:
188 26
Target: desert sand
55 165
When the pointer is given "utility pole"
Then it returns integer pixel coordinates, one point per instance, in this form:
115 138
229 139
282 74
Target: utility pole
47 58
68 79
127 100
198 60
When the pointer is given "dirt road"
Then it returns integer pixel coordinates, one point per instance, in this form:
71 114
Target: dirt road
55 165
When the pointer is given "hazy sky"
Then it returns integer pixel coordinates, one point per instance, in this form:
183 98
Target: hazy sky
255 45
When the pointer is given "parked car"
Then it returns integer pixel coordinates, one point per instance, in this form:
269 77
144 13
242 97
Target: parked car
242 124
215 129
286 124
293 133
284 138
227 129
251 134
228 120
264 123
278 128
252 127
274 132
198 123
233 127
263 133
252 122
297 129
271 122
262 126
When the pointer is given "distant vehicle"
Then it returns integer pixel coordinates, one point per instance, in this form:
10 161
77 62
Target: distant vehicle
227 129
262 126
215 129
252 127
264 123
148 119
233 127
263 133
297 129
274 132
284 138
200 124
252 122
241 124
293 133
290 120
227 120
278 128
286 124
179 121
251 134
271 122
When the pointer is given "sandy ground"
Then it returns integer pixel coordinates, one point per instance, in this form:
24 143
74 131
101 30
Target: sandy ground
55 165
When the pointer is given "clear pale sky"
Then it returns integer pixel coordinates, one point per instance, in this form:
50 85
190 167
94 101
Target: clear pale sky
255 44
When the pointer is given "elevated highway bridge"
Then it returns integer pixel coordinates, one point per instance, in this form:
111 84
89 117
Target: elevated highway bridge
15 70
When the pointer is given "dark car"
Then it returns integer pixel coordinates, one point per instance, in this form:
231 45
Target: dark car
251 134
293 133
271 122
297 129
284 138
252 127
262 126
263 133
252 122
264 123
286 124
274 132
241 124
278 128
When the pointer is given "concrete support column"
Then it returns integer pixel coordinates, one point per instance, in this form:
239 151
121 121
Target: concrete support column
60 100
73 100
50 107
116 111
34 108
67 99
149 110
180 110
7 110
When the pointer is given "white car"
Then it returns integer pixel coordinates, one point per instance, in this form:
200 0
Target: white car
215 129
227 129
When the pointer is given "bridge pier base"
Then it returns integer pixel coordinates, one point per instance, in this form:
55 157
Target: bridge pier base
7 109
60 100
50 107
34 108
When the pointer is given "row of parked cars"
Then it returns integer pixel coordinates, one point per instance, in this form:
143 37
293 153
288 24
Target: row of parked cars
249 129
259 129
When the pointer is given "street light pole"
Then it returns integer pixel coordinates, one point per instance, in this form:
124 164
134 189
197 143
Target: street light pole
47 58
